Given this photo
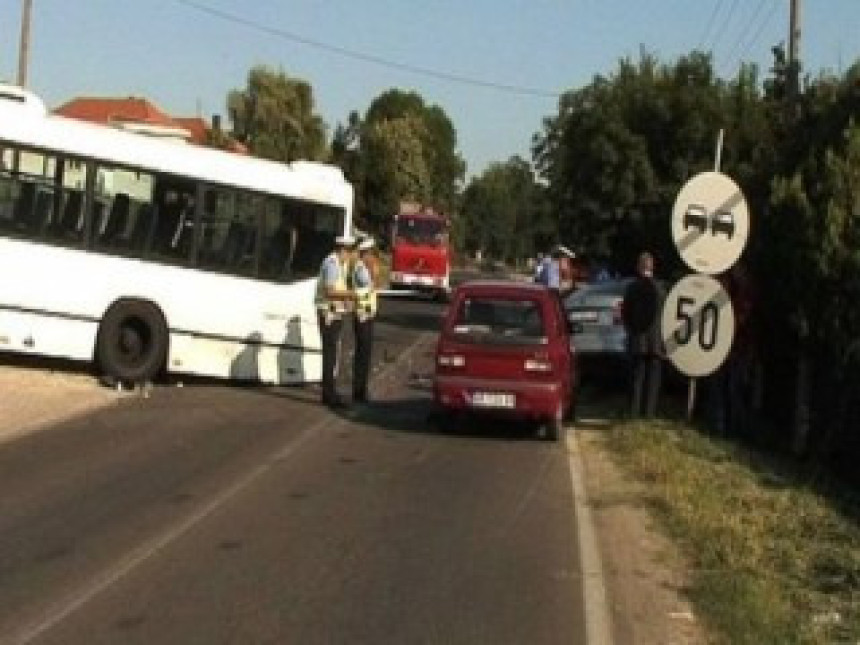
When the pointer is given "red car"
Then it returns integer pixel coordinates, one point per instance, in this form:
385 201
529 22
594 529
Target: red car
505 350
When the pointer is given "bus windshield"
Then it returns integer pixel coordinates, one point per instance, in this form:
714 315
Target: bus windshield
421 231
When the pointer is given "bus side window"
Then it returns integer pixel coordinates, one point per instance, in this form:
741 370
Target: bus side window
67 224
25 205
228 240
280 238
72 219
320 226
142 229
173 221
7 200
114 232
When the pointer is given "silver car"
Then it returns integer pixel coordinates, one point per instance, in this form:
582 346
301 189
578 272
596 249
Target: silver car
595 315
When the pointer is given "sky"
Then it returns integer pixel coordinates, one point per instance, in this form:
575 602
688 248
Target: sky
495 66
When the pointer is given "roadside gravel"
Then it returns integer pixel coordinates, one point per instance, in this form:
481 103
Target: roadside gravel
32 398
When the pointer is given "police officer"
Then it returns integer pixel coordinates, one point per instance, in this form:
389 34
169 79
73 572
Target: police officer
333 300
364 278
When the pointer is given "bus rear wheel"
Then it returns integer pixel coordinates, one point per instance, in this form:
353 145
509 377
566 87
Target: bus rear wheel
132 342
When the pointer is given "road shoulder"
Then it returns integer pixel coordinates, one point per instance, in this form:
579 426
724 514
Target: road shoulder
33 398
644 571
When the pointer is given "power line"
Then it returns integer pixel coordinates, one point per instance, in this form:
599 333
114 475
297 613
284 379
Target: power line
725 24
368 58
706 34
745 32
760 30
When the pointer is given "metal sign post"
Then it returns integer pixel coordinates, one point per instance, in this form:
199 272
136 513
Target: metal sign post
718 154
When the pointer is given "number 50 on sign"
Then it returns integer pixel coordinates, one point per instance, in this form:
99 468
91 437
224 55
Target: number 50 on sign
698 325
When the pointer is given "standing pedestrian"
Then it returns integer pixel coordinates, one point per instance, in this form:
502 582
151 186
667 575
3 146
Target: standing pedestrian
643 305
538 267
549 274
566 278
333 300
365 276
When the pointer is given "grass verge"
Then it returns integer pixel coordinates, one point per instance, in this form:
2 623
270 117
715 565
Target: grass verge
775 554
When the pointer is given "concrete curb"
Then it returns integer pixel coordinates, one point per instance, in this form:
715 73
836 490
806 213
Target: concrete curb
598 624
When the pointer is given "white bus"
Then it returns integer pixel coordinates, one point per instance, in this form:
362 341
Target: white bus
147 255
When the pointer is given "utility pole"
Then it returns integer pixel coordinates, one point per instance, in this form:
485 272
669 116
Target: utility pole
24 52
794 48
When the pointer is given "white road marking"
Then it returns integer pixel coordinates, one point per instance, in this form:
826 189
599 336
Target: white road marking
598 624
74 600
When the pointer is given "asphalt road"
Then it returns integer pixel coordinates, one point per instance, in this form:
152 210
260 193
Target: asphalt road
215 514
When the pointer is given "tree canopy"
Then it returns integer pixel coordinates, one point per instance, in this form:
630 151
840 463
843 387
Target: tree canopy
274 116
504 213
402 150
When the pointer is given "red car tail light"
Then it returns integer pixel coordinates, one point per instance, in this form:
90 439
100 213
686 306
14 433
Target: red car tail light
451 360
537 365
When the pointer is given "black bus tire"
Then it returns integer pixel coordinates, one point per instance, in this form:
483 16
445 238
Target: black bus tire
131 346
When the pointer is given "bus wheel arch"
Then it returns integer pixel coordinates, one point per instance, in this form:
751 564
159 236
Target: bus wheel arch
132 341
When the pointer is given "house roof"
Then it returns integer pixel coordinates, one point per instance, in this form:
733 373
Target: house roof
195 125
108 111
139 114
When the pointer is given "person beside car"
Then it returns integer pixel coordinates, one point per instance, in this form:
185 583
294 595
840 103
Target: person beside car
643 304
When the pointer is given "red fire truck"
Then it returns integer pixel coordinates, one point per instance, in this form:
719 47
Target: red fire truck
420 251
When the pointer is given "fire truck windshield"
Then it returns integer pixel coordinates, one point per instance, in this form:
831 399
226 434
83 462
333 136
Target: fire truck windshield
421 231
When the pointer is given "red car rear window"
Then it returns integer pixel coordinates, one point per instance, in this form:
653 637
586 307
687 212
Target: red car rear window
500 320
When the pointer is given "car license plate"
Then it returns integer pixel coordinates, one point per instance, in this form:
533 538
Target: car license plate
492 400
582 316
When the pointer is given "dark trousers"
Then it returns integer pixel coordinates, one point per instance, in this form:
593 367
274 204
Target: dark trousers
361 364
330 333
646 370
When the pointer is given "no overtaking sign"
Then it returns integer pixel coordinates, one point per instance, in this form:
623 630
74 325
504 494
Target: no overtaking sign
710 223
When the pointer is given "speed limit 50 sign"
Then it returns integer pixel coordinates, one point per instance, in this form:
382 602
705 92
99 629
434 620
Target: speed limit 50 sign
698 325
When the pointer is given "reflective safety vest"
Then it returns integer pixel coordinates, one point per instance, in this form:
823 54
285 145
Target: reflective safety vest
322 302
366 305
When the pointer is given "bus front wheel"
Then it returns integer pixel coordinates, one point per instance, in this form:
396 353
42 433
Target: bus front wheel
132 342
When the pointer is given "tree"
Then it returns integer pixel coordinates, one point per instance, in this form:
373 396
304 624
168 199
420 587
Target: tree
504 213
395 168
274 116
402 149
620 148
439 140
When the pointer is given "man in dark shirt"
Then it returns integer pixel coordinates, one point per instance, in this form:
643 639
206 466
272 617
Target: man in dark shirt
643 306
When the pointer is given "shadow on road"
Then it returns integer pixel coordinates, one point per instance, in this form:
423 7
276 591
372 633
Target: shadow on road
61 365
418 315
417 415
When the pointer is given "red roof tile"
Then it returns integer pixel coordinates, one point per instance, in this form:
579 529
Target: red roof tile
112 110
196 126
